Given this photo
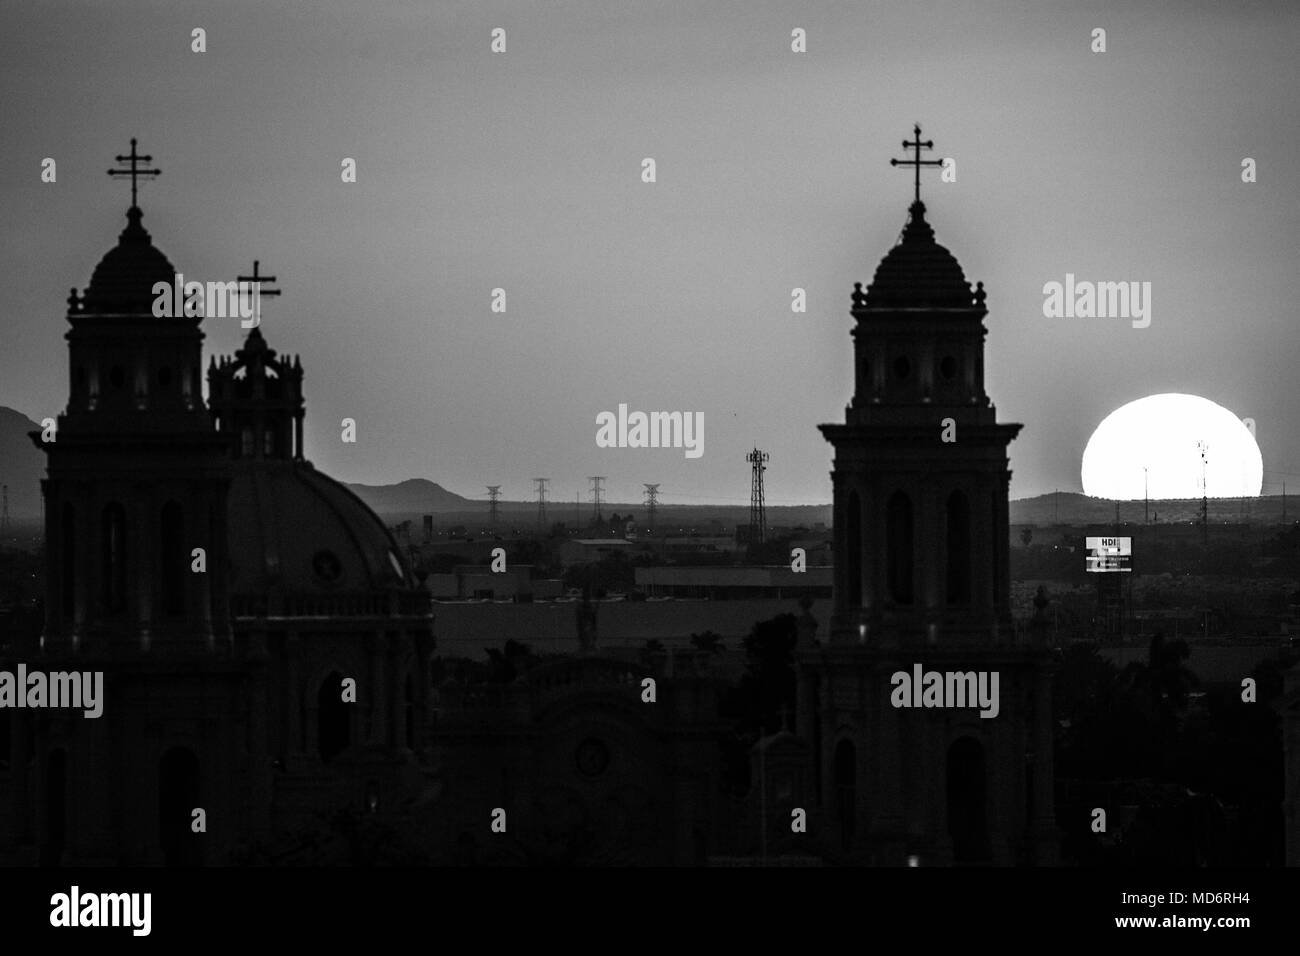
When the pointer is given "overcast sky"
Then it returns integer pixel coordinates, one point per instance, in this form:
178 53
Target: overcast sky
522 171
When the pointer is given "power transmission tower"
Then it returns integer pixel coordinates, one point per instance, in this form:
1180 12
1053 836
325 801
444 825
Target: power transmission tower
651 502
595 496
494 492
757 507
541 503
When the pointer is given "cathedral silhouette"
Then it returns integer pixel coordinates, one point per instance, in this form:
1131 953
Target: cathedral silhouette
271 691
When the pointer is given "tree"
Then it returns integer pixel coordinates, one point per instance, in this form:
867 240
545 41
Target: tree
769 681
708 641
507 664
1165 676
764 692
1026 536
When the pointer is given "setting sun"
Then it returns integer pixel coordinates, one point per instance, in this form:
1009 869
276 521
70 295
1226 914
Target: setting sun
1154 446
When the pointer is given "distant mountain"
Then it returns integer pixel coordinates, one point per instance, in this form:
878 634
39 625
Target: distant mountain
22 466
413 496
1072 508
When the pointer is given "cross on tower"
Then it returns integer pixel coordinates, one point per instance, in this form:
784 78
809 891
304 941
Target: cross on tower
134 171
257 291
916 146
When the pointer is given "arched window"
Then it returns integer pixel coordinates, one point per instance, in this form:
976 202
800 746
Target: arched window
958 549
113 562
853 545
246 442
967 820
178 798
268 443
333 718
846 789
898 547
68 548
173 559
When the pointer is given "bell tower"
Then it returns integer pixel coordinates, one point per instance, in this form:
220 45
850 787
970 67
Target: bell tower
256 400
920 485
138 569
136 476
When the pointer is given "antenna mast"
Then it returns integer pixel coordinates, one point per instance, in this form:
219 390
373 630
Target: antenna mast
651 502
541 503
595 496
757 505
1205 494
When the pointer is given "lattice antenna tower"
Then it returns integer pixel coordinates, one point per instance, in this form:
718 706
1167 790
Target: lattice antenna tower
651 502
596 491
757 504
541 502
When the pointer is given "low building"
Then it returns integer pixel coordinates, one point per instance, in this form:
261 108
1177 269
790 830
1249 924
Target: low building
731 583
479 582
588 550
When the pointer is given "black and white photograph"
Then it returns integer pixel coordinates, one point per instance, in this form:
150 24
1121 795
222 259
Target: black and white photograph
442 438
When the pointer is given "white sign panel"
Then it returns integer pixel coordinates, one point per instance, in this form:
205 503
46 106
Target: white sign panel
1110 554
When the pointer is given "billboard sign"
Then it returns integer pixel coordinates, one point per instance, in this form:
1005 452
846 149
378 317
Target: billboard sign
1110 554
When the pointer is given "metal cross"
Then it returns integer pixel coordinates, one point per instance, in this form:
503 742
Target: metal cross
134 171
257 289
916 146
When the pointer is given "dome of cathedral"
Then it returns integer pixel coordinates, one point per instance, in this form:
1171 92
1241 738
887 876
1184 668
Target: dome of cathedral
124 279
305 544
918 272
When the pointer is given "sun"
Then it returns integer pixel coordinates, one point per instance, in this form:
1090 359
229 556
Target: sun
1168 442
